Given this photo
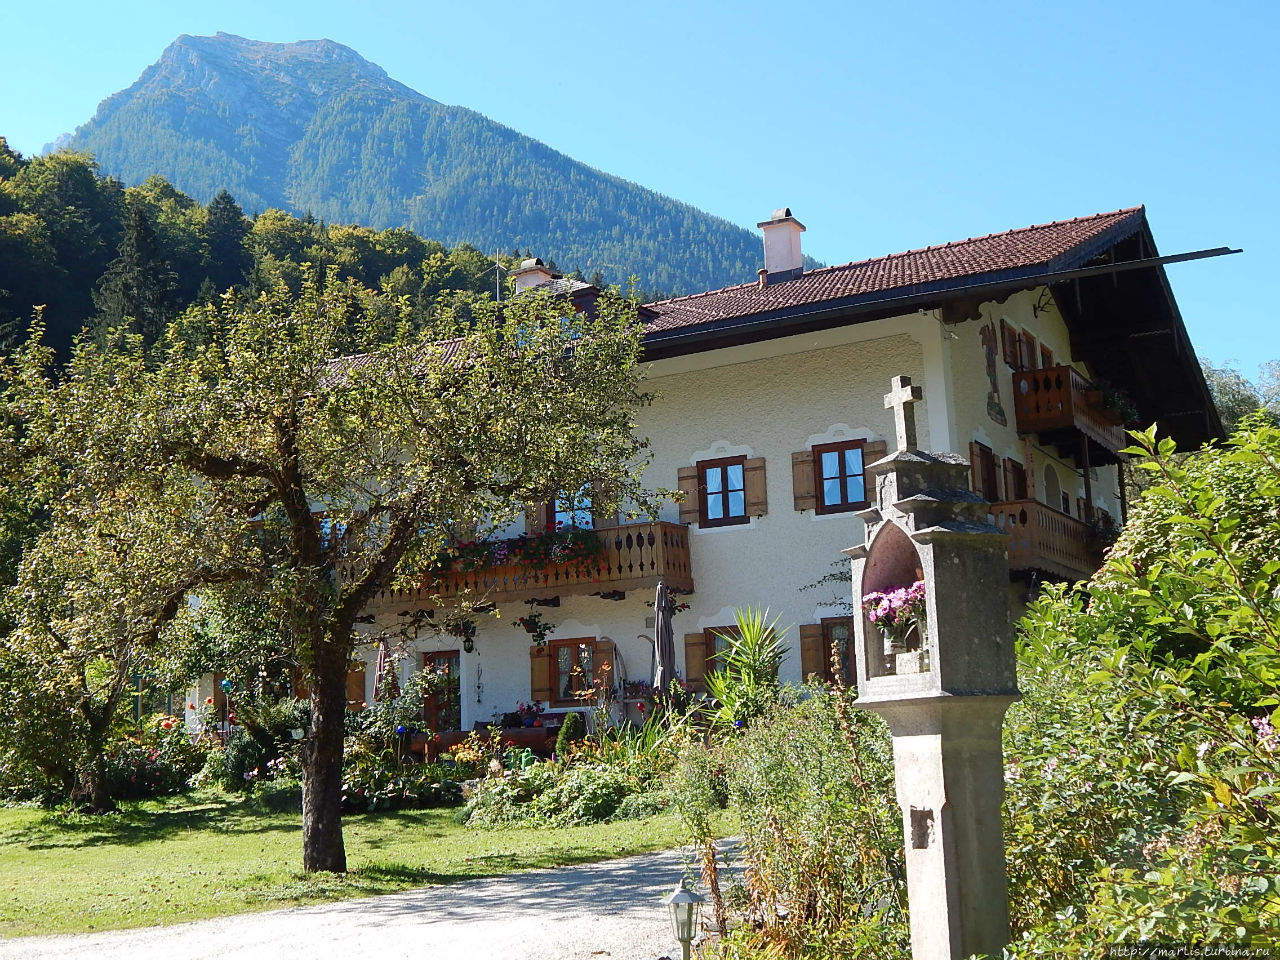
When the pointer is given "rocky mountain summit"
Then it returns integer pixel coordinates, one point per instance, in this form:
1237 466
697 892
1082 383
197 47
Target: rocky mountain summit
314 127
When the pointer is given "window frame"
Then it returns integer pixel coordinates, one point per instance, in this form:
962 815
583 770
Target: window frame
710 635
722 463
848 663
820 505
585 683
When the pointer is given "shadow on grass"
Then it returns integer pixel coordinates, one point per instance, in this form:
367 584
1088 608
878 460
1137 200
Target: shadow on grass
139 823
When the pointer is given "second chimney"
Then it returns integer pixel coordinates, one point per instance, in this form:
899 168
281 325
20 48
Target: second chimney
782 258
532 273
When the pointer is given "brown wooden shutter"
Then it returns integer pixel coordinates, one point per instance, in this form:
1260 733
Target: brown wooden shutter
1046 356
1029 348
1009 343
540 673
802 483
975 466
301 689
1015 480
812 652
535 518
687 483
602 664
1080 508
355 688
753 482
874 450
695 661
599 518
997 479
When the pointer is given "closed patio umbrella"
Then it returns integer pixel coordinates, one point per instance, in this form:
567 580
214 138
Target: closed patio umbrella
664 659
386 686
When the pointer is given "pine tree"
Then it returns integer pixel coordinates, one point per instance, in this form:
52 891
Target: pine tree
224 234
138 287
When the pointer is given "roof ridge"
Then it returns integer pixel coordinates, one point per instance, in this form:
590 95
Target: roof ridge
951 244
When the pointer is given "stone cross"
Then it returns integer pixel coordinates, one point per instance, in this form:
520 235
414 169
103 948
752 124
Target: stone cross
943 688
900 399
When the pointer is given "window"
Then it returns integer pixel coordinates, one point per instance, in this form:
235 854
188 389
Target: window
572 510
838 476
1015 480
572 669
717 644
723 492
818 640
722 487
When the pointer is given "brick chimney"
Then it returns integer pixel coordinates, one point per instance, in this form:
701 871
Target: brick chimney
782 259
531 274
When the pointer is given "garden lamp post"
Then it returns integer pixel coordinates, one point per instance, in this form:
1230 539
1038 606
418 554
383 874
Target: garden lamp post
685 905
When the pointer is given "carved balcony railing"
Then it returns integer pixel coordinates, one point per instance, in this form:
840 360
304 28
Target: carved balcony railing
1065 409
1046 541
633 556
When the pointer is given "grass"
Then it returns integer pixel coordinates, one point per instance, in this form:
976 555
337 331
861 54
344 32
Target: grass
208 854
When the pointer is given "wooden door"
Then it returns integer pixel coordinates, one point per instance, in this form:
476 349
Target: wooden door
442 708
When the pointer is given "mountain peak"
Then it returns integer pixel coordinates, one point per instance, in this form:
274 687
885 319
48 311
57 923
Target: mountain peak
312 125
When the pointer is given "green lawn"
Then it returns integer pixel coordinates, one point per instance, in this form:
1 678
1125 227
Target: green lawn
206 855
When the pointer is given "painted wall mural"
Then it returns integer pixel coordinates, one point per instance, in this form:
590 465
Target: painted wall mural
989 346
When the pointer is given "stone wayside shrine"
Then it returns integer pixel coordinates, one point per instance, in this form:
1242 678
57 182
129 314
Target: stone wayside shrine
943 689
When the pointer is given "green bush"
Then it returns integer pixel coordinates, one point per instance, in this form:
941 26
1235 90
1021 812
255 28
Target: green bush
572 729
159 758
374 780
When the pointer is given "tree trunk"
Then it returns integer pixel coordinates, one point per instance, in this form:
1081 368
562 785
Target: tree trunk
90 794
322 846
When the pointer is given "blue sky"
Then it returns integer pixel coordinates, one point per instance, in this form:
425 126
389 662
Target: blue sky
883 126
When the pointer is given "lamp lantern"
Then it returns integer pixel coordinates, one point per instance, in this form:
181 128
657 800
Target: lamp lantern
685 906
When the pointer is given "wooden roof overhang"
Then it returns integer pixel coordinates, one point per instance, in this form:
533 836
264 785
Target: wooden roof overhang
1115 298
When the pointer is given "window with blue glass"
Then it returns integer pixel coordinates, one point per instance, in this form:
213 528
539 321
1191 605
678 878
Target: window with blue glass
572 511
722 491
838 476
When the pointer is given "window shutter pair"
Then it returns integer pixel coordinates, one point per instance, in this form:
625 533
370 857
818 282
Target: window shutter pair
755 494
540 669
804 487
984 477
812 652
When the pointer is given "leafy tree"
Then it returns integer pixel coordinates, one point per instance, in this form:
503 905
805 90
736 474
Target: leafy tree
342 476
1236 396
138 287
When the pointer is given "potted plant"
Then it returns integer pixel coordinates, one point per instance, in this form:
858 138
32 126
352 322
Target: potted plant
898 613
537 626
529 711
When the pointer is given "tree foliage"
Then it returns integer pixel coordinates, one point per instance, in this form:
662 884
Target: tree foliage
322 447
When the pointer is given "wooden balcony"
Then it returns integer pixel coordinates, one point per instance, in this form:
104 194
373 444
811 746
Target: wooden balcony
1045 541
1064 409
634 557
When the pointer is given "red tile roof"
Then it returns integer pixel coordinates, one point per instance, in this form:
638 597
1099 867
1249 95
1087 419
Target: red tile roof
1061 245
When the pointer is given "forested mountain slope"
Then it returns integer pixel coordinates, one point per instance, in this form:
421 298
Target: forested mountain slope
314 127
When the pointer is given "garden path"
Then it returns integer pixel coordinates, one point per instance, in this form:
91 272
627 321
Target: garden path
601 911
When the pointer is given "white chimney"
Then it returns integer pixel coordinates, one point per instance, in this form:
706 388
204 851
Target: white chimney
782 259
531 274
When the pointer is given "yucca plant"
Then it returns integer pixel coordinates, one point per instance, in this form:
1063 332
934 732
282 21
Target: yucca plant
746 681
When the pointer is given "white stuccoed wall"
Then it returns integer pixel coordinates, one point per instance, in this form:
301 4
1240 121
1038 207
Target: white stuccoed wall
770 400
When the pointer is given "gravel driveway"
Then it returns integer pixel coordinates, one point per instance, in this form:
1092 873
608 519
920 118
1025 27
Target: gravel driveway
610 911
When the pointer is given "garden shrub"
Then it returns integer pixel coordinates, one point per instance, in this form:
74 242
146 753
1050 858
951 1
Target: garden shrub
379 780
572 729
159 758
